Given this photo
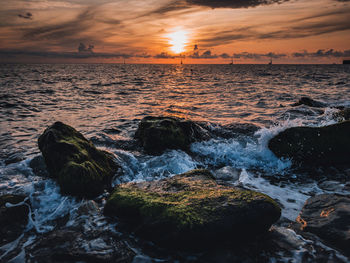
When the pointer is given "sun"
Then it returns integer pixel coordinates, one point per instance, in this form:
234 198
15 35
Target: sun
178 41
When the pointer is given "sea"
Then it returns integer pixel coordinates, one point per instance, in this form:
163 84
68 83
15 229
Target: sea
106 102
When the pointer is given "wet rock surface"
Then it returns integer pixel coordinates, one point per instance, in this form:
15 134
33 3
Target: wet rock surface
328 217
314 146
69 245
310 102
13 217
234 129
342 114
74 161
38 166
156 134
191 209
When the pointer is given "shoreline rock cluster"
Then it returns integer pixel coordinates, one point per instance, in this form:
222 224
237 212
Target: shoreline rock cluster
191 209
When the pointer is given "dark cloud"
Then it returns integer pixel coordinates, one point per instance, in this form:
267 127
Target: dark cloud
169 8
72 55
207 55
247 55
82 48
64 30
301 28
163 55
322 53
225 55
238 3
234 3
27 15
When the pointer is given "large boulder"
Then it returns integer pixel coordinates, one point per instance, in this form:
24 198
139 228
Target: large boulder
13 217
328 217
74 161
314 146
156 134
191 209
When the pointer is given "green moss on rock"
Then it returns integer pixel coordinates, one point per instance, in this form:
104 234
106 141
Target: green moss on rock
192 207
157 134
315 146
79 167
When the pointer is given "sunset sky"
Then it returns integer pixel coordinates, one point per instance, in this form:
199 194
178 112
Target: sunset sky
163 31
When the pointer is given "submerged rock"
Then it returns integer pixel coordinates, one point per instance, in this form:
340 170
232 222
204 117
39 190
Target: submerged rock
227 173
314 146
328 217
74 161
156 134
70 246
342 115
191 209
12 219
233 129
310 102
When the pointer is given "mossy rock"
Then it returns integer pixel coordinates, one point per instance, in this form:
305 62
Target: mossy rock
79 167
156 134
12 219
314 146
191 209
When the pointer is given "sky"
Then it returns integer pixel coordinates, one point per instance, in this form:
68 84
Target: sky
168 31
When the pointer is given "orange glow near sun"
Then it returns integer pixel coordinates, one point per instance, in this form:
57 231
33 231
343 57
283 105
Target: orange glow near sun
178 41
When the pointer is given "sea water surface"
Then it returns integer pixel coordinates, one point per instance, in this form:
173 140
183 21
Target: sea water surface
106 102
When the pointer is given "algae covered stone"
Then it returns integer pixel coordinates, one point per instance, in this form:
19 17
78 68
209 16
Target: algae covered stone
315 146
192 208
156 134
79 167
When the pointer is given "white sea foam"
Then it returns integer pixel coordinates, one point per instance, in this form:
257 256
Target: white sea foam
291 197
154 167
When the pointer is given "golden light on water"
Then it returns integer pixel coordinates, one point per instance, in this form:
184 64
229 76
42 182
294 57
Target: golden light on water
178 41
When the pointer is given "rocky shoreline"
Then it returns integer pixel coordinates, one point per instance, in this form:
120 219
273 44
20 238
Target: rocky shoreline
189 211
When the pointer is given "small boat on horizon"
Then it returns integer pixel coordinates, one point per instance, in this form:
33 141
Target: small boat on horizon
231 63
270 63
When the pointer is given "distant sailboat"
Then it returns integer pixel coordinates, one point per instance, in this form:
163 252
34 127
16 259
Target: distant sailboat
124 61
270 63
231 63
181 62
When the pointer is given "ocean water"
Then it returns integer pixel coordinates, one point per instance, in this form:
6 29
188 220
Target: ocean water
106 102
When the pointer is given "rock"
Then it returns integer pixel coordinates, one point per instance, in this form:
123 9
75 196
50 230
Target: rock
331 186
70 246
227 173
328 217
314 146
233 129
38 166
79 167
342 115
12 219
310 102
14 158
156 134
191 210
